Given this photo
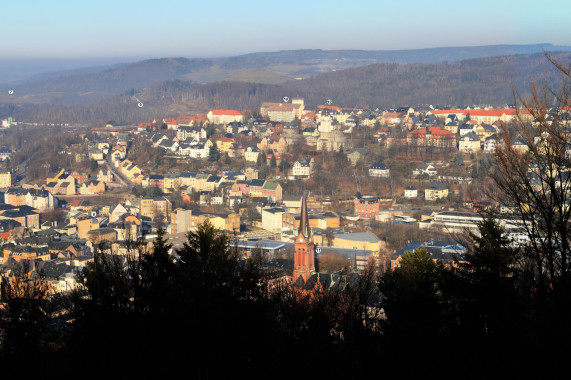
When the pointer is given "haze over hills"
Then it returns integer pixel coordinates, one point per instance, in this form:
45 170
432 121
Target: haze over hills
165 88
88 85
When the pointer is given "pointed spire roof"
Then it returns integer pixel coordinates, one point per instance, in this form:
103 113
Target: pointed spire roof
304 219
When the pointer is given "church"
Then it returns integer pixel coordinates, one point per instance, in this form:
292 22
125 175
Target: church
305 274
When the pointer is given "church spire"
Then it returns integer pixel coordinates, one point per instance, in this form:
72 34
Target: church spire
304 255
304 219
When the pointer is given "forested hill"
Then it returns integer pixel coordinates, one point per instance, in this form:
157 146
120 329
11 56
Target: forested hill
476 81
88 85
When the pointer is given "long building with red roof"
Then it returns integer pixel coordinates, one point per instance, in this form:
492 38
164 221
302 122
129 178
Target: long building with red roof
431 136
224 116
482 116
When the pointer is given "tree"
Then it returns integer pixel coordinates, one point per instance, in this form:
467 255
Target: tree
93 165
329 237
227 159
413 310
213 153
273 161
24 315
459 159
531 177
534 180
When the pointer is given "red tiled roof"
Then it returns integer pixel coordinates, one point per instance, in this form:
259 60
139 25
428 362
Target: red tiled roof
333 108
226 112
434 131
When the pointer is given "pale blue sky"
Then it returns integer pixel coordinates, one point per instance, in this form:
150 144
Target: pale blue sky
160 28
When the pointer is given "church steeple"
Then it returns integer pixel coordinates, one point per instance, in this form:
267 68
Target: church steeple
304 255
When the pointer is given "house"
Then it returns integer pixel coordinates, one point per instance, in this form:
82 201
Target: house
157 138
92 187
169 145
250 173
225 143
80 176
5 154
424 169
469 143
105 175
491 143
95 153
366 206
252 153
427 169
379 169
520 145
118 152
466 128
5 178
196 133
199 151
410 192
435 191
272 190
357 154
303 167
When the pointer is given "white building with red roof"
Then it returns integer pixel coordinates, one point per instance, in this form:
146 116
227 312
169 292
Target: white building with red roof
224 116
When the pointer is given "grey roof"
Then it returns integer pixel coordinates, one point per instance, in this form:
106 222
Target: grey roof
379 166
358 236
436 186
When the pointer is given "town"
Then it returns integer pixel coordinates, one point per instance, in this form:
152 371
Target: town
376 184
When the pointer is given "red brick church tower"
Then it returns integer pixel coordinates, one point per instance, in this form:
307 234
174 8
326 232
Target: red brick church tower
304 255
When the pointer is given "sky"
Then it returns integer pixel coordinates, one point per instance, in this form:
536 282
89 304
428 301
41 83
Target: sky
100 29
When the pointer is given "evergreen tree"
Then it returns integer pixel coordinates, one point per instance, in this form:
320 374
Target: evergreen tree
213 153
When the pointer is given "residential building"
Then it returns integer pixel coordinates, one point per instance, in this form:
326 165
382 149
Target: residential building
379 169
469 143
432 137
366 206
427 169
303 167
224 116
105 175
435 191
357 154
251 154
410 192
152 207
5 178
283 112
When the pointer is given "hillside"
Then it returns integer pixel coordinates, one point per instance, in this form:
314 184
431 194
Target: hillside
475 81
91 85
257 76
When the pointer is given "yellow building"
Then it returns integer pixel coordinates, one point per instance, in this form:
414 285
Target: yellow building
359 241
224 144
5 179
151 207
435 191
